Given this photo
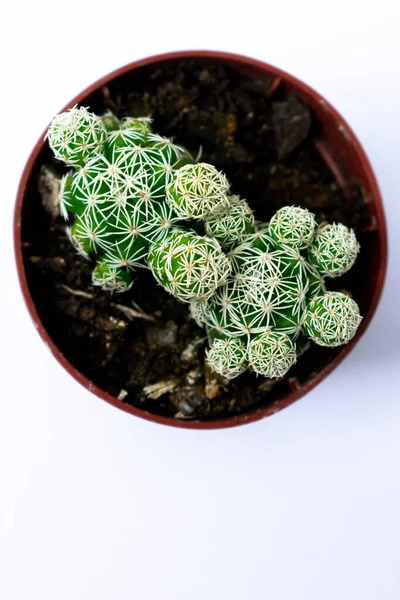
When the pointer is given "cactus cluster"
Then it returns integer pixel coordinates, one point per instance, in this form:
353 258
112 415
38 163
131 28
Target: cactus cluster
124 198
276 293
130 198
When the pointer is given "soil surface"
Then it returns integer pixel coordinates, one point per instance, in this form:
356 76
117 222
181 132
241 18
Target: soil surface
142 346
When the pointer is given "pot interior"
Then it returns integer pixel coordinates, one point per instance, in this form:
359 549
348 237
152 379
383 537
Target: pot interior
335 146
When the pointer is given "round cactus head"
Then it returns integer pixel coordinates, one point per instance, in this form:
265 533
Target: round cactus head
233 310
110 121
76 135
292 226
140 125
111 278
196 191
277 279
188 265
257 252
227 357
231 227
334 249
271 354
129 132
332 319
174 155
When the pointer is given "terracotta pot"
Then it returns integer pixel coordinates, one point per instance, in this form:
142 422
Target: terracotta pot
342 153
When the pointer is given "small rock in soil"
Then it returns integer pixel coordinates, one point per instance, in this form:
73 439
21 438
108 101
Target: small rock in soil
187 400
193 376
214 382
49 188
291 121
162 336
191 351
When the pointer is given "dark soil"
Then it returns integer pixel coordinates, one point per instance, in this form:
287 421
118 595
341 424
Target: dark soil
264 143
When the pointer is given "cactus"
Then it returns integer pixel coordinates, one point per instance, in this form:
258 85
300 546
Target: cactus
115 197
271 354
189 265
227 357
196 191
109 121
333 250
275 291
234 310
128 198
128 132
112 278
332 319
230 228
292 226
76 135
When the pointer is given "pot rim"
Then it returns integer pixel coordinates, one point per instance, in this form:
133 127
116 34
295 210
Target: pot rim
296 393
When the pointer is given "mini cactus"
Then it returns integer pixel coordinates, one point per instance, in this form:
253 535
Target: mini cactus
230 228
271 354
189 265
128 132
116 196
334 250
292 226
227 357
112 278
196 191
275 290
128 198
76 135
332 319
109 121
240 308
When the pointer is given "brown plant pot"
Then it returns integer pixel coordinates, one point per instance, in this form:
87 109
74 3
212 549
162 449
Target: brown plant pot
342 153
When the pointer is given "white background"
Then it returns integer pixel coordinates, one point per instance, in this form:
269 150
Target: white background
99 504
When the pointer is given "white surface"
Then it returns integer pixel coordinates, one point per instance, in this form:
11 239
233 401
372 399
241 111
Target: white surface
98 504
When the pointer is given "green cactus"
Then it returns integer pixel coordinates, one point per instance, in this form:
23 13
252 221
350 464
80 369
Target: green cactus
110 121
227 357
292 226
333 250
128 198
332 319
188 265
271 354
230 228
274 289
129 132
234 310
196 191
112 278
116 196
76 135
